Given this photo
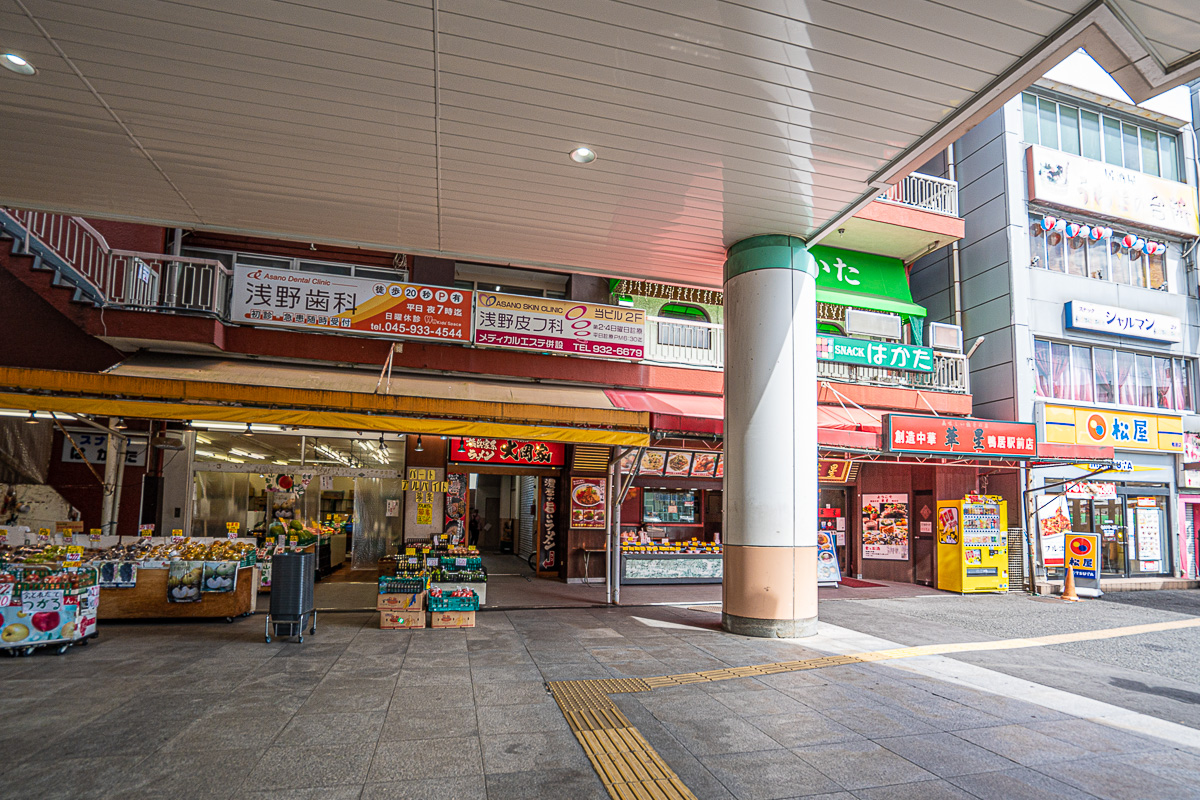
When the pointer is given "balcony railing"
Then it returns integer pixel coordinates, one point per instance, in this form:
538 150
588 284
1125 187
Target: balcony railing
695 344
691 344
124 278
926 192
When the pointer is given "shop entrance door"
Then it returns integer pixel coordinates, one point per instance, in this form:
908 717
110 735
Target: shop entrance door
923 539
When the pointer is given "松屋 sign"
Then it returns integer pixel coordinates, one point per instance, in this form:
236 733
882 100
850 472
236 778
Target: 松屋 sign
868 353
1119 429
535 323
316 301
1121 322
1068 181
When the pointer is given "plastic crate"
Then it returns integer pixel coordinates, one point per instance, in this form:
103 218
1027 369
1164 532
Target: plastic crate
402 584
448 603
461 562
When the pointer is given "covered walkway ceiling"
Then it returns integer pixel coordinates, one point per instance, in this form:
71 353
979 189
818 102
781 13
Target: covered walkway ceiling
443 126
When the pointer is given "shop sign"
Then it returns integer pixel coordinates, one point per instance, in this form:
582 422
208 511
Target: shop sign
1061 179
1122 430
1082 316
535 323
861 273
422 488
1083 556
507 451
93 448
315 301
960 435
1054 522
831 470
587 503
458 490
1190 477
868 353
1092 490
885 526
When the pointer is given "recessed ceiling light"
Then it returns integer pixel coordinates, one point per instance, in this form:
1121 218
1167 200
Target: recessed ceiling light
17 64
583 155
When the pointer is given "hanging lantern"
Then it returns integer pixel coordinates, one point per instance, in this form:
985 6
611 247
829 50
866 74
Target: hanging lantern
1140 244
1048 223
1060 226
1072 229
1085 231
1128 241
1096 233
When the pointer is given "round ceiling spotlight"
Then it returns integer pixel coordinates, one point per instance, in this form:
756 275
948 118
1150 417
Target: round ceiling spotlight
583 155
14 62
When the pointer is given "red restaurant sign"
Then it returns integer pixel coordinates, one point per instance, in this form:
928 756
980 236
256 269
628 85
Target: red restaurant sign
960 436
507 451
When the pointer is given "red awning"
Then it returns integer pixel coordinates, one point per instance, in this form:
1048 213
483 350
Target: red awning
705 406
850 418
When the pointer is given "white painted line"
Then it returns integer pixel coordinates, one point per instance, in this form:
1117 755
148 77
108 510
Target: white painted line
843 641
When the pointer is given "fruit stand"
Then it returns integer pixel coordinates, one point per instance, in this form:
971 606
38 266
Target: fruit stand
178 579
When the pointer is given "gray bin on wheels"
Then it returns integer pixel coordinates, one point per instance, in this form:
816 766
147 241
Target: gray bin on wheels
292 603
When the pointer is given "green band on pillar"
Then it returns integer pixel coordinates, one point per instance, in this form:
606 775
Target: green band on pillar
772 251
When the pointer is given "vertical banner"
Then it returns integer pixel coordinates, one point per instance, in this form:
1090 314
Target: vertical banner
423 490
885 526
548 525
1054 522
457 502
1083 555
829 573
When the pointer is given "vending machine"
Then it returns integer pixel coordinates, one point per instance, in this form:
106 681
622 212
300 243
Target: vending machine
972 552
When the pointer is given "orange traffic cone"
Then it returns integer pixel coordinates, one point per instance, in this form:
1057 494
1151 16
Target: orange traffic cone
1069 586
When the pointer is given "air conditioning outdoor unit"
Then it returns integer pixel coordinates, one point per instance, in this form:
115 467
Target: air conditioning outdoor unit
871 323
945 337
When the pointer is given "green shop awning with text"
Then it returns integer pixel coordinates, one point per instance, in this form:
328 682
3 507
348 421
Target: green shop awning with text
863 280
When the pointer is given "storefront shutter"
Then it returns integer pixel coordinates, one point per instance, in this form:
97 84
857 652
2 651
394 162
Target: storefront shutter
525 541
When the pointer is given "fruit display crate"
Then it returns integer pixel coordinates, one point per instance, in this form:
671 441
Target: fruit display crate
402 584
461 562
449 603
46 608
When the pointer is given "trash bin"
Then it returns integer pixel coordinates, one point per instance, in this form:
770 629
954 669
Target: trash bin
292 603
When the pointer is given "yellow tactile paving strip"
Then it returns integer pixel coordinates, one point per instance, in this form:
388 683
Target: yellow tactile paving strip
631 769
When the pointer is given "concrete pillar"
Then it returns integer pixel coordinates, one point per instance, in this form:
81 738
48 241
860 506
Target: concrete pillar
770 536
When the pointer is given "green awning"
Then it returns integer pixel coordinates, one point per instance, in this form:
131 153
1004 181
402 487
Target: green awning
870 302
863 280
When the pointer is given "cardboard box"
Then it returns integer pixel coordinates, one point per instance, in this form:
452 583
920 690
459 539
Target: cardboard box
452 619
400 602
400 620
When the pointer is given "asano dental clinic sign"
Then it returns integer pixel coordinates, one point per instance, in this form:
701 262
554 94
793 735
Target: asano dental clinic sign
315 301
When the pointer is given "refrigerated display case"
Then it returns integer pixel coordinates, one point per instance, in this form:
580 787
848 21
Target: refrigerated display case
972 544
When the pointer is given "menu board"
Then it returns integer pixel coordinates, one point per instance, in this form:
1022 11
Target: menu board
704 465
829 572
587 503
457 501
885 526
720 473
653 462
679 464
1148 544
1054 522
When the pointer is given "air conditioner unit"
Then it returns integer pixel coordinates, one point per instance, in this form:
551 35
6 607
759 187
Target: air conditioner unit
871 323
945 337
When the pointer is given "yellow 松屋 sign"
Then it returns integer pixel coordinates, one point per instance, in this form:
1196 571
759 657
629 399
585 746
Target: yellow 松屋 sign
1118 429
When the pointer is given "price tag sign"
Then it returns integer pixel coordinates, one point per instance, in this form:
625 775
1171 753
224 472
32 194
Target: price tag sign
145 531
74 556
410 551
94 537
37 600
6 594
176 536
293 540
43 536
232 529
431 561
68 538
460 562
270 541
413 560
3 538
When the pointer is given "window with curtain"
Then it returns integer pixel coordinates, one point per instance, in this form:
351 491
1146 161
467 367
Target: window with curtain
1117 377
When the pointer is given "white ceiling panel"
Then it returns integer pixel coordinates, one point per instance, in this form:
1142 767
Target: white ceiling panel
390 125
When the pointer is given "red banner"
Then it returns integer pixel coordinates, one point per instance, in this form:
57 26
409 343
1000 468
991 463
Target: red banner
960 436
507 451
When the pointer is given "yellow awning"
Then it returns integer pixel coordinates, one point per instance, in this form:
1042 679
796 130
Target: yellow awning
269 399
